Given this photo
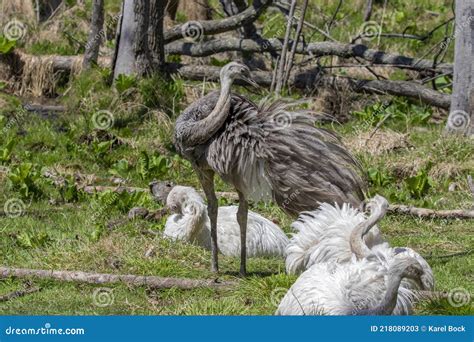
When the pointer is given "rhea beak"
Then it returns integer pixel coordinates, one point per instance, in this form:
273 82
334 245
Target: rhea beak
252 82
247 77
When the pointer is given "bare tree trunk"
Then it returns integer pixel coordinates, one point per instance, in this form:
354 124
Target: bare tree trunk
155 33
142 52
124 62
95 35
281 66
461 115
368 10
133 55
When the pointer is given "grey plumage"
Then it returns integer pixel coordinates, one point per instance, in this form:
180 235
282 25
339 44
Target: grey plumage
267 151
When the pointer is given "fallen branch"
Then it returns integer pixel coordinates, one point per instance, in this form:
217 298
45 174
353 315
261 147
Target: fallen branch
91 189
43 109
209 27
431 213
207 48
19 293
319 49
102 278
310 80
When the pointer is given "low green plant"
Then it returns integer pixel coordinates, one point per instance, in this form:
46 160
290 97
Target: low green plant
6 151
6 45
418 185
122 201
152 166
26 179
32 239
121 169
379 178
100 148
69 190
125 82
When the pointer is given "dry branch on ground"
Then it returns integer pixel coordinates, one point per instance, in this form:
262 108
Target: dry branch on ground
103 278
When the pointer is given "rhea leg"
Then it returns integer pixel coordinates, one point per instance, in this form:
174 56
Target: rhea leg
207 181
242 215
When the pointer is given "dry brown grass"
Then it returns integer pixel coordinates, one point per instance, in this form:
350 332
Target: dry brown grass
38 77
377 143
21 9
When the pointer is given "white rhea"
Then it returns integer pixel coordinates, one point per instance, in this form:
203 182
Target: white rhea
326 235
359 287
190 222
323 235
342 236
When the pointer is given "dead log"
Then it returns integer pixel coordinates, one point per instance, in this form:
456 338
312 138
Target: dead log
42 109
207 48
431 213
312 79
19 293
90 189
319 49
307 80
103 278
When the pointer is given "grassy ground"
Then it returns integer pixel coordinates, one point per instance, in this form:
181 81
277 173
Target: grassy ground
408 160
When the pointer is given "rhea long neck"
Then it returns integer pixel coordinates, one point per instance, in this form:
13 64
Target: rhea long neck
358 246
194 219
389 301
204 129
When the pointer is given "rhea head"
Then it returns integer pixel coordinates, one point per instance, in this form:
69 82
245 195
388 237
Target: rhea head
410 268
236 71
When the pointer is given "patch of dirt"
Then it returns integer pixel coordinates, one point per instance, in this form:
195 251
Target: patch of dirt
101 136
379 143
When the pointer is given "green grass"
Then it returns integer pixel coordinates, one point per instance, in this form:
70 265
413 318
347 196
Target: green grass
61 235
59 231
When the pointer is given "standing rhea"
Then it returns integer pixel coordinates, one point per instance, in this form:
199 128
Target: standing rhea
190 222
265 152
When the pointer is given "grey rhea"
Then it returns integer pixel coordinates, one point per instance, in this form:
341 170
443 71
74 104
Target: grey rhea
269 151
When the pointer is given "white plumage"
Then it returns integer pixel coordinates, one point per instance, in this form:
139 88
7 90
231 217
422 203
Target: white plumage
191 223
328 244
323 235
358 287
